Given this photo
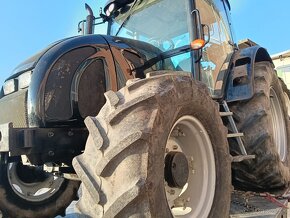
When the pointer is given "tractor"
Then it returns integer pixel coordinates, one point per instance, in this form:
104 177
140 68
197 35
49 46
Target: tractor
161 117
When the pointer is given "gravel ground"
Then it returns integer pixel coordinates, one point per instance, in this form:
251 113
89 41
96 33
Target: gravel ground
70 212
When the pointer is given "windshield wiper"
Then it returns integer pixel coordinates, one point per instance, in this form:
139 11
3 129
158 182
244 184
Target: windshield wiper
127 18
164 55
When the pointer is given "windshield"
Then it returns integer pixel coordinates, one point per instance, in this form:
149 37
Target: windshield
162 23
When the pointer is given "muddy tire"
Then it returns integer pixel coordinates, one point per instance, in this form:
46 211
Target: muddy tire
23 193
264 122
128 168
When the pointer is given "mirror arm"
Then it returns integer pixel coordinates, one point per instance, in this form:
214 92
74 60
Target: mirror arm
198 23
81 26
103 16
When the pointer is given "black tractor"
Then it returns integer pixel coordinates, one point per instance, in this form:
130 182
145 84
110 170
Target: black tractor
156 119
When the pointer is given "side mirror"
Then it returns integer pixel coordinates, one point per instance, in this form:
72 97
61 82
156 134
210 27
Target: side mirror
113 5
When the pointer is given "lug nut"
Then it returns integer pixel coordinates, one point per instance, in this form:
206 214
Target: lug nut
50 134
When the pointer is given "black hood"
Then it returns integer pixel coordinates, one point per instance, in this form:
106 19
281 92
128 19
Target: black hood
31 62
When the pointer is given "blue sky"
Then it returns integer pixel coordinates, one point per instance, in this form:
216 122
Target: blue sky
30 25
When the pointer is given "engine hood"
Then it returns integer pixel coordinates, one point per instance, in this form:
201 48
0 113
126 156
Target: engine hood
31 62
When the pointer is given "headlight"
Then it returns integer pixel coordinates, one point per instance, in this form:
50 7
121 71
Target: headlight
18 83
24 80
9 87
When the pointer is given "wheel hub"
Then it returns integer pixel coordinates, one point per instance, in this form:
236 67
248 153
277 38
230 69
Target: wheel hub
189 169
176 169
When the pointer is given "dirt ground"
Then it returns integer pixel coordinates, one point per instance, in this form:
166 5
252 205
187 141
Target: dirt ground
70 213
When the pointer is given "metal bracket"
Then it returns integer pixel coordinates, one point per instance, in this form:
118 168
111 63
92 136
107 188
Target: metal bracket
42 145
5 136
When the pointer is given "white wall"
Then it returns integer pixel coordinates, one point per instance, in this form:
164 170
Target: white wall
283 69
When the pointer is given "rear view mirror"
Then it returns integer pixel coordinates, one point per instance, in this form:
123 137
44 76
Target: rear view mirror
113 5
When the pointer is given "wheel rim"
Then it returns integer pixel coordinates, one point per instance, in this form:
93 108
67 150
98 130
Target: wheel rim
33 191
188 137
279 126
287 101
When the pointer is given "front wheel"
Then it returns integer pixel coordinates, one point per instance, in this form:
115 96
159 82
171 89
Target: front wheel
158 148
29 192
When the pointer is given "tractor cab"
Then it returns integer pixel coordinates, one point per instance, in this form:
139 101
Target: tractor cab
203 27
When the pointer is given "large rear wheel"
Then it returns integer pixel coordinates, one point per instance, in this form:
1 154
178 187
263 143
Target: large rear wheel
157 148
265 124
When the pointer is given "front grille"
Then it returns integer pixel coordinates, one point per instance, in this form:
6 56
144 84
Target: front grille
13 109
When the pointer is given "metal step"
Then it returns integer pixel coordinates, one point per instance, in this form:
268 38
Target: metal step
241 158
226 114
234 135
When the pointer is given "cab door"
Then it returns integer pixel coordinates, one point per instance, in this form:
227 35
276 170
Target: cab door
217 53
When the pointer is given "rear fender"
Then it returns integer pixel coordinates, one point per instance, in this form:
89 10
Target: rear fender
239 84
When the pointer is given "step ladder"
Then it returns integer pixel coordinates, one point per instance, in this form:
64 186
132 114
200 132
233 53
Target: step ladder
236 134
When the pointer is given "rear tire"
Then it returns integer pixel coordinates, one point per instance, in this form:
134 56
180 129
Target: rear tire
140 129
265 124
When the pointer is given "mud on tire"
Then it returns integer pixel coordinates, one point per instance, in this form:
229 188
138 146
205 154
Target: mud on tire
265 124
122 168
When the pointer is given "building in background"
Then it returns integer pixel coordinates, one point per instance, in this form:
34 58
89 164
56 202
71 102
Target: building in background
282 64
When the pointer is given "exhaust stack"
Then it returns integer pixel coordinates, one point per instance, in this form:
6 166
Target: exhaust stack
90 21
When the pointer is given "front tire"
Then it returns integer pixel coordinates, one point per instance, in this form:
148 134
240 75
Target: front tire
157 148
29 193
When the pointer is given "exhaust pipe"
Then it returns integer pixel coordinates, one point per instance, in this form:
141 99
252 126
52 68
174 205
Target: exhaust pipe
90 21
